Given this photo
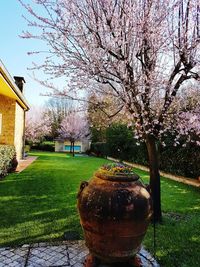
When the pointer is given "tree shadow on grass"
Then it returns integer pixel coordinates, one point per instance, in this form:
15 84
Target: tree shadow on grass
57 235
28 211
177 240
39 225
180 256
40 202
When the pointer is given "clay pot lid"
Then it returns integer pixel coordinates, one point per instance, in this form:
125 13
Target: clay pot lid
122 177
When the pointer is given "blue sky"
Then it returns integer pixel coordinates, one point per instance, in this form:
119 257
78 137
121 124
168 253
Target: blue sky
13 49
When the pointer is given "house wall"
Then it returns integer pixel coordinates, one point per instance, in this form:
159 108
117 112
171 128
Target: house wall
12 124
77 143
7 109
85 145
60 146
19 130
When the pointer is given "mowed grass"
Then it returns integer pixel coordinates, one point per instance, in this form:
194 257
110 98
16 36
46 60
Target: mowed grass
39 204
178 237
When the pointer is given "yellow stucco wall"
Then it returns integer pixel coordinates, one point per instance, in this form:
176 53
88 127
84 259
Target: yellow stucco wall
7 109
12 108
19 130
12 124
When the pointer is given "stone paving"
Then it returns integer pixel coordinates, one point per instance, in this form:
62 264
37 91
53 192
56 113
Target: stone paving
66 253
24 163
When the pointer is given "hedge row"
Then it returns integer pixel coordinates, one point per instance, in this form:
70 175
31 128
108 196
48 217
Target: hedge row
120 143
99 149
8 161
43 147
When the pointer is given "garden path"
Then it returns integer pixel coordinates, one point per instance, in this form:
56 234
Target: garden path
24 163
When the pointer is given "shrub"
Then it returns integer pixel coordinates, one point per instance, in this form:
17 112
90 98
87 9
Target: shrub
44 147
139 154
8 161
99 149
97 135
180 160
120 143
13 164
27 148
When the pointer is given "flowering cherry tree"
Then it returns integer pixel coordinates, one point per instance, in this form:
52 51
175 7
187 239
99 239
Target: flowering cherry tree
37 125
190 125
185 118
73 128
55 110
139 52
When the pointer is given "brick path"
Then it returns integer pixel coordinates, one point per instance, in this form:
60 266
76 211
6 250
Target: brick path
66 253
24 163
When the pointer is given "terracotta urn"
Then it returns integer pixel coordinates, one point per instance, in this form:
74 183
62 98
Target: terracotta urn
115 211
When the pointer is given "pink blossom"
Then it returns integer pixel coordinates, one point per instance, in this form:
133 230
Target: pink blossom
140 54
37 125
74 127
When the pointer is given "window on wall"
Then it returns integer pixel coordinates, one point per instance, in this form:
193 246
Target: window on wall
0 123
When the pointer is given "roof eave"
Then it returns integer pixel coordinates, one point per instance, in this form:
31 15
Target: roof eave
13 86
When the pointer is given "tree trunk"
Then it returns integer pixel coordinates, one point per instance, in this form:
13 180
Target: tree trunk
154 177
73 148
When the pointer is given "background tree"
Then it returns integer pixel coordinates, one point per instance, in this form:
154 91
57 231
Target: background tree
102 111
120 140
56 109
37 126
73 128
186 124
135 51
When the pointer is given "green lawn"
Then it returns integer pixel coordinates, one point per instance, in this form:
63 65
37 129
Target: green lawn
39 204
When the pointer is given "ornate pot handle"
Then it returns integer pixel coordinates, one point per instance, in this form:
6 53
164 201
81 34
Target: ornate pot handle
82 186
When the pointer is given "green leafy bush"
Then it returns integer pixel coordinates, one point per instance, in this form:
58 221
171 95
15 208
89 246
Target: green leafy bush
180 160
120 144
27 148
44 147
98 135
120 141
99 149
8 161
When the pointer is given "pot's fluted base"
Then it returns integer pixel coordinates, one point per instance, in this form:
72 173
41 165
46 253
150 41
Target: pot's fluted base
92 261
